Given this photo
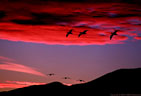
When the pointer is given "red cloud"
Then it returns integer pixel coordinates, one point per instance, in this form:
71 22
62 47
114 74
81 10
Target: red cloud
48 22
56 35
18 84
138 37
121 37
20 68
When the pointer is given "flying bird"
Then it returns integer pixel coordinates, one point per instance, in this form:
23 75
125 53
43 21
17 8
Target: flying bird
114 33
51 74
66 78
81 33
68 33
81 80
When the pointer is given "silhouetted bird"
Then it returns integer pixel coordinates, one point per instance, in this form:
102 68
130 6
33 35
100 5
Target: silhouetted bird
114 33
66 78
84 32
70 32
81 80
51 74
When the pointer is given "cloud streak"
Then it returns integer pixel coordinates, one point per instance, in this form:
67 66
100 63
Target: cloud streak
20 68
21 84
25 83
138 37
18 84
6 85
2 58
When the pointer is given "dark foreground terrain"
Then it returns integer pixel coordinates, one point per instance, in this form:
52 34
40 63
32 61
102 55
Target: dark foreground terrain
123 81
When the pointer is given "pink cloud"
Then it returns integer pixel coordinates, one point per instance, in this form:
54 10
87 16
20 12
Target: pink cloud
67 84
21 84
6 59
25 83
18 84
20 68
6 85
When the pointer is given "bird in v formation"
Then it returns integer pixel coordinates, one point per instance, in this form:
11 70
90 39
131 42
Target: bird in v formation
84 32
80 80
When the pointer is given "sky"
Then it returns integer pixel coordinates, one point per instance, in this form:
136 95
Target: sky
33 40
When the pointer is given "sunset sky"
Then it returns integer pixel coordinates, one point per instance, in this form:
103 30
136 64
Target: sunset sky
33 40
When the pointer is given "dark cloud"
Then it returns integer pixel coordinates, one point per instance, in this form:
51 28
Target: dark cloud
28 22
68 0
44 19
74 1
100 1
52 18
131 1
113 15
124 15
2 14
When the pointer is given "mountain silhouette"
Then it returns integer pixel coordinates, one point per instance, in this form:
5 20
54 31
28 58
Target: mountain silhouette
122 81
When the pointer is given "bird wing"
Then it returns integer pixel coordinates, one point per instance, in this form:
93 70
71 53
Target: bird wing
82 81
79 34
115 32
67 34
51 74
70 32
111 36
85 31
